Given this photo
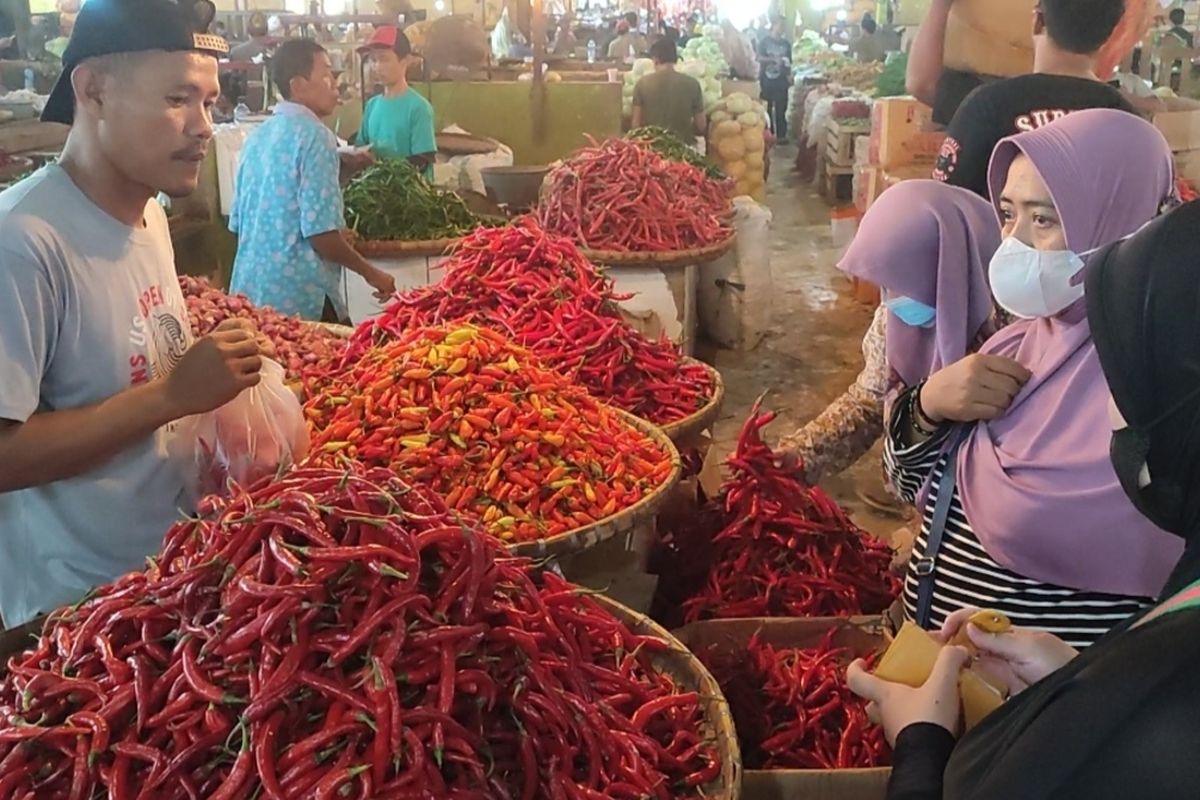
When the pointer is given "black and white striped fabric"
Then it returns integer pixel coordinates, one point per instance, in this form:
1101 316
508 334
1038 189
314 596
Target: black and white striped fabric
965 575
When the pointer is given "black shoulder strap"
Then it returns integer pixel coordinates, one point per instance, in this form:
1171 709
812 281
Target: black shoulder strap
937 529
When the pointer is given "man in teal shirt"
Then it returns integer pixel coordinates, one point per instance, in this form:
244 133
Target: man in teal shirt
399 122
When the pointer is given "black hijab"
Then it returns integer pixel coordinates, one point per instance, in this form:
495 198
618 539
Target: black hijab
1120 720
1143 298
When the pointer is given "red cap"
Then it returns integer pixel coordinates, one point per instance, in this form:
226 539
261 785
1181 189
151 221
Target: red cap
388 37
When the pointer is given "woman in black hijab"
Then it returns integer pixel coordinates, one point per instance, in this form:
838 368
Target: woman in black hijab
1120 721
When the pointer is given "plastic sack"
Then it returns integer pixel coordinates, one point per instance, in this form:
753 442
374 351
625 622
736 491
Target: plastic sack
253 436
734 296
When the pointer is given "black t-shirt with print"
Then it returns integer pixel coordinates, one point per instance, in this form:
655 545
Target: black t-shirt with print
1007 107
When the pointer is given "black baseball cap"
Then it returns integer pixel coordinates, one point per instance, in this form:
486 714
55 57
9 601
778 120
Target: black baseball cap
108 27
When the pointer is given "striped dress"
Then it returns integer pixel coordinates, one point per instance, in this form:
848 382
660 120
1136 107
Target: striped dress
965 575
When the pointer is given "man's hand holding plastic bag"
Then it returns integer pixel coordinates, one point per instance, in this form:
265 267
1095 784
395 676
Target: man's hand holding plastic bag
254 435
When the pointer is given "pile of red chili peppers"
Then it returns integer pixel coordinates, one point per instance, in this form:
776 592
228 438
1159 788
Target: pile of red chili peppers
305 350
793 710
542 293
772 546
622 196
465 411
339 634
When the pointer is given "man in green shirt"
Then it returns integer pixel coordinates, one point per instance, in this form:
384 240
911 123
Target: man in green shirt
667 98
399 122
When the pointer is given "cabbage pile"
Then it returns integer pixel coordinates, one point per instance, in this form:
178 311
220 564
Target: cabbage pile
707 48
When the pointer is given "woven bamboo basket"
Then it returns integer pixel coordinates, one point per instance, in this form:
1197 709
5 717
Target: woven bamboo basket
663 259
682 429
398 248
691 675
621 522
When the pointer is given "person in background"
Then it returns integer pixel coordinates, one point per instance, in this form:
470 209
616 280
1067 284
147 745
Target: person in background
628 41
99 360
219 29
258 45
926 78
1036 524
867 46
399 122
775 74
1067 36
667 98
8 35
1177 17
1117 721
288 208
927 246
564 38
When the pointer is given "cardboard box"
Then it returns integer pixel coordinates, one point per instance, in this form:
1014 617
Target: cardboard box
901 133
1180 128
908 173
1187 166
861 635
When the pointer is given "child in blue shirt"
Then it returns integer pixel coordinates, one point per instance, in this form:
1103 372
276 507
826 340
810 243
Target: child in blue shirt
399 122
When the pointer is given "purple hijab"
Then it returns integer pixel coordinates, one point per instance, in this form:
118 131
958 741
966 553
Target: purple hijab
1037 483
931 242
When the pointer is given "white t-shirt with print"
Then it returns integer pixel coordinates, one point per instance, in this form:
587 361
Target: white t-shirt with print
88 308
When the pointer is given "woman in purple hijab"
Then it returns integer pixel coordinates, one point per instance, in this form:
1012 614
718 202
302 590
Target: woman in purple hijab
1032 520
926 244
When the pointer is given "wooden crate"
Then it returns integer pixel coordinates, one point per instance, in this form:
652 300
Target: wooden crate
839 142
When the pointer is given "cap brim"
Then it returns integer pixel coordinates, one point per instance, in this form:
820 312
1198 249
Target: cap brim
60 105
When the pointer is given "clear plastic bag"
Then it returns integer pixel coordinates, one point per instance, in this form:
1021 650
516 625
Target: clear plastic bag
253 436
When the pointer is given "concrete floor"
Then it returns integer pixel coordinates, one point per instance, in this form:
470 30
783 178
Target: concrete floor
813 351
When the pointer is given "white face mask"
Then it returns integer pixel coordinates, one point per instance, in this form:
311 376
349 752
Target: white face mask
1031 283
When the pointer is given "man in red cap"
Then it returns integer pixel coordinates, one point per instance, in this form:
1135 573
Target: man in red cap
98 355
399 122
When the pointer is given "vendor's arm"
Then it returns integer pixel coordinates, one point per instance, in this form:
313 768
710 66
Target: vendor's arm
699 118
639 114
851 424
322 217
332 247
925 58
423 140
40 446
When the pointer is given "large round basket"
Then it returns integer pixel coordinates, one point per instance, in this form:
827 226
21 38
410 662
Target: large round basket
682 429
666 258
398 248
621 522
691 675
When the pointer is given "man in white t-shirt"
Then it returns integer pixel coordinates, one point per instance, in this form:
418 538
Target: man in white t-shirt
98 360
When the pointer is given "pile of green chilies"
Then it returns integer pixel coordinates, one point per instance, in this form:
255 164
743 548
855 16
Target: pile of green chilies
671 147
392 201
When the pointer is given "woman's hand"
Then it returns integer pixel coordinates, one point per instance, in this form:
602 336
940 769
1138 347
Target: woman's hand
979 386
1018 658
899 706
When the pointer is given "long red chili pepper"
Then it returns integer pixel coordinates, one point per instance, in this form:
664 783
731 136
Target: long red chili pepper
402 654
770 546
539 290
621 195
792 708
